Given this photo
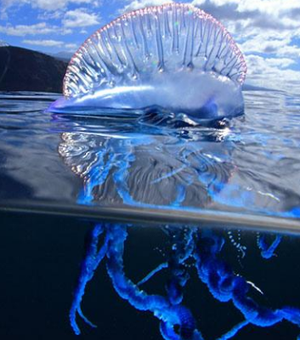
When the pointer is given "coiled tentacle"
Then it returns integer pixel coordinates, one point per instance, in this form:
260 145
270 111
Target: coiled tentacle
226 286
171 316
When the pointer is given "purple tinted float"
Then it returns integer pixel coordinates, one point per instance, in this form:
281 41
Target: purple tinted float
174 57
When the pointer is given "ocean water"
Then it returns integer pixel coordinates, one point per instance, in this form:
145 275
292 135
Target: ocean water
90 206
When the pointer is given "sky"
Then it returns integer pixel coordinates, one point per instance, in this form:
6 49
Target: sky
267 31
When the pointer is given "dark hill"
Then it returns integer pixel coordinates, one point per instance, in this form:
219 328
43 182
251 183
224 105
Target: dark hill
27 70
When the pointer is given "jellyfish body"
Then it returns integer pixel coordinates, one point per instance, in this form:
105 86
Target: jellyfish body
174 57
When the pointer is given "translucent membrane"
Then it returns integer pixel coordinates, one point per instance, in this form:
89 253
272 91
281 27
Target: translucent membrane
174 58
155 39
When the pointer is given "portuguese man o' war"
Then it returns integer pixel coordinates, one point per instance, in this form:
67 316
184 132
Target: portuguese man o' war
174 57
177 60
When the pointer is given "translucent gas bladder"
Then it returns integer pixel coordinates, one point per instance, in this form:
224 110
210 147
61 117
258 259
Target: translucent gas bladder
172 57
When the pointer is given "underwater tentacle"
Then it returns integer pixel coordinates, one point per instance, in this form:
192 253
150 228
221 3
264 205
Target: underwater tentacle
158 305
153 272
267 251
225 285
230 334
90 263
182 249
186 329
84 318
237 243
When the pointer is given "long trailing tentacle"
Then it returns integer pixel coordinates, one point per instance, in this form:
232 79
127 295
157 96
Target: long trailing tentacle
172 317
91 262
176 321
234 330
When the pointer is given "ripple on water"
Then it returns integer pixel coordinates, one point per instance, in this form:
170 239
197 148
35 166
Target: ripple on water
249 164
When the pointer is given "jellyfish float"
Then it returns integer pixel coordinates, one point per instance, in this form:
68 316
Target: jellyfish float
172 58
167 66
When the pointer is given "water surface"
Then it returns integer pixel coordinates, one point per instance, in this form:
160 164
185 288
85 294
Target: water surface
157 180
248 165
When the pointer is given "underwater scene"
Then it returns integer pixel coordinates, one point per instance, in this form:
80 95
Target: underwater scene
120 227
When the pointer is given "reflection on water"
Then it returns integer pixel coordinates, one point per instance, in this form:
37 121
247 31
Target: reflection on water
130 163
249 164
160 168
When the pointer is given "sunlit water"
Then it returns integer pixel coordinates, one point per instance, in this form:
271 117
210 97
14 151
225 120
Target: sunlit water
249 166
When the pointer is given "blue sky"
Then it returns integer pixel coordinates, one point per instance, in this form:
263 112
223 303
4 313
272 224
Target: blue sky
267 31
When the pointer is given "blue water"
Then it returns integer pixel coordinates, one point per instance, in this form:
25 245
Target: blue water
212 208
250 164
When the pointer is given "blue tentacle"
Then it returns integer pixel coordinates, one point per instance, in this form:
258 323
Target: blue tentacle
226 286
97 175
182 249
153 272
91 262
171 316
267 251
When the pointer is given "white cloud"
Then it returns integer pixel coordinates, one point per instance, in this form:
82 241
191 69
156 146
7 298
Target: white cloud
71 47
265 31
51 5
22 30
80 18
65 31
49 43
279 62
47 5
45 15
41 28
290 50
272 72
271 7
274 14
136 4
270 44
